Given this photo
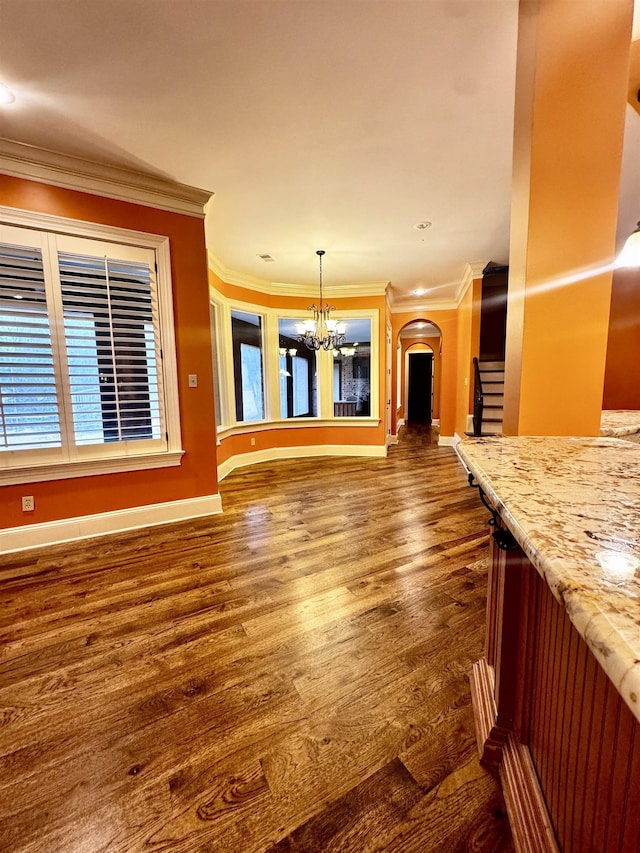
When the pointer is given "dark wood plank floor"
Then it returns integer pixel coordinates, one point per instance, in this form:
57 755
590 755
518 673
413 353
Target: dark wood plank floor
290 676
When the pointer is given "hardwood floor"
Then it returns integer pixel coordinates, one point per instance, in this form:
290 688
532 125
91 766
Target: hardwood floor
289 676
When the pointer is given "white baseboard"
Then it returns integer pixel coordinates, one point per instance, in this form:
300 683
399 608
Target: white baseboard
400 423
447 441
117 521
273 453
391 439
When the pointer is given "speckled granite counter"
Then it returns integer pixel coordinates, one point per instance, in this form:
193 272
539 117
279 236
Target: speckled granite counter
573 505
619 422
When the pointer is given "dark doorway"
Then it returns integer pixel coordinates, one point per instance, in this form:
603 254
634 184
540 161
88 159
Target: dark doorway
493 312
420 387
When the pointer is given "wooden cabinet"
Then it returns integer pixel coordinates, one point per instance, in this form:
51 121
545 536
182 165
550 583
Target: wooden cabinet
566 745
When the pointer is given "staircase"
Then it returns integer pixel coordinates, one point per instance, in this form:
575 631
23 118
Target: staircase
489 397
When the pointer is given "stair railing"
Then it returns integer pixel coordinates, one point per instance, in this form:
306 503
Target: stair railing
478 399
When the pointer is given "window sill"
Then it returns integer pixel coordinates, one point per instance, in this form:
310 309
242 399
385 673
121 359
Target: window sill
297 423
89 468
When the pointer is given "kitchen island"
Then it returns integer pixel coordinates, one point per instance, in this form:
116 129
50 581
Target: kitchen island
619 422
557 695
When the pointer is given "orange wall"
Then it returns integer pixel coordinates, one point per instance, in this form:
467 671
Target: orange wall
571 87
621 387
267 439
271 437
196 476
446 321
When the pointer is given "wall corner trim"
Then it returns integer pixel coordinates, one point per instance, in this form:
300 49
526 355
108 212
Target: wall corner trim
104 523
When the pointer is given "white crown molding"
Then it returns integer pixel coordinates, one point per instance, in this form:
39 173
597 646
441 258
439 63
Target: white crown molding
63 170
273 453
471 272
229 276
409 304
100 524
279 288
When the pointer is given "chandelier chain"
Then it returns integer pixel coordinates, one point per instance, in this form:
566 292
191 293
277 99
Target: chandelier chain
322 331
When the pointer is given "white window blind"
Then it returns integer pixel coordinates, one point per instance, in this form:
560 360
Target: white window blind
109 319
29 416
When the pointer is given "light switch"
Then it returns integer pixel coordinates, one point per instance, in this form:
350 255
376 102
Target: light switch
193 380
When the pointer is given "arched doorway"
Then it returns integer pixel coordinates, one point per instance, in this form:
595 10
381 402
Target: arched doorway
419 351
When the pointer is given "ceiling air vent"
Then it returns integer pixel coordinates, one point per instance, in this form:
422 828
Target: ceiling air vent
267 258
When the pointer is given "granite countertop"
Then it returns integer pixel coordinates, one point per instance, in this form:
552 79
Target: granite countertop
573 505
619 422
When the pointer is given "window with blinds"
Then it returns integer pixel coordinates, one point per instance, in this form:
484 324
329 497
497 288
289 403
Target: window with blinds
81 350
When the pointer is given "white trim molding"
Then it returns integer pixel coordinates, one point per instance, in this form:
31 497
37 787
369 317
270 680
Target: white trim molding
295 423
62 170
278 288
104 523
446 441
89 467
273 453
402 304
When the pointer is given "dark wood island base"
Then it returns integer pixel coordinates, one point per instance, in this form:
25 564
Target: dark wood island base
566 745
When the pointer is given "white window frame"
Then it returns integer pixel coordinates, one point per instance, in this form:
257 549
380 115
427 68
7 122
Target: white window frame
271 369
30 466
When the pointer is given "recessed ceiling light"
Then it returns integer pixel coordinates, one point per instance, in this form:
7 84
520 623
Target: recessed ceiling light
421 226
6 95
420 291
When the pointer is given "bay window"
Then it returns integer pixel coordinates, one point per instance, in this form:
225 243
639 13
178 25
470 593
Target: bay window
268 377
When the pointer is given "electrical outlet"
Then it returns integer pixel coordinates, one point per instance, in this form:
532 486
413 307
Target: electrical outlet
28 503
253 441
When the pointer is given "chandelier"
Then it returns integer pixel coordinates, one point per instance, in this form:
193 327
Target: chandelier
321 331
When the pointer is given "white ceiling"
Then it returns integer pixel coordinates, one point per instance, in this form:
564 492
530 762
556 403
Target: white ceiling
333 124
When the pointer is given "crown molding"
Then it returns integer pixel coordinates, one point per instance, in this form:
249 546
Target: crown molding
403 305
471 271
228 276
63 170
280 288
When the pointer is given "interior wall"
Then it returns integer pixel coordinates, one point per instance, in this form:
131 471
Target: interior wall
621 388
415 345
197 475
566 178
446 321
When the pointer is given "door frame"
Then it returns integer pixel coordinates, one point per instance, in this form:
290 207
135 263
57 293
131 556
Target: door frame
427 348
